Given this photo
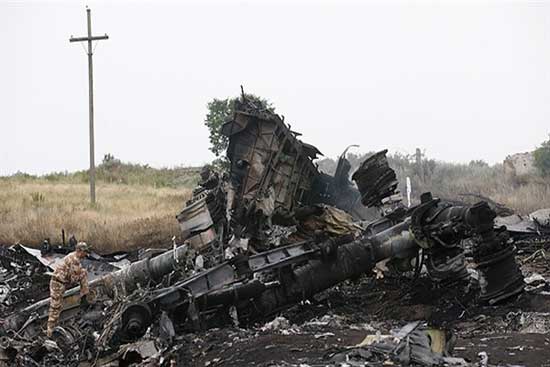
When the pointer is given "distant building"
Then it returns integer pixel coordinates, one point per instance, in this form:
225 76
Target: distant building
520 165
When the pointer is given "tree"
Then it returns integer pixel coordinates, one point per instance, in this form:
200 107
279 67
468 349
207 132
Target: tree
542 158
109 159
220 111
478 163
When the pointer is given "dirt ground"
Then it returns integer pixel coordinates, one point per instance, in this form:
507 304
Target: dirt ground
515 333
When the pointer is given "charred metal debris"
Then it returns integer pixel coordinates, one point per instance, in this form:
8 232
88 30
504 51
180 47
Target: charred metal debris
270 233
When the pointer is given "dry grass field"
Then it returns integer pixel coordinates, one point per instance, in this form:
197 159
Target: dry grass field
137 204
126 216
450 180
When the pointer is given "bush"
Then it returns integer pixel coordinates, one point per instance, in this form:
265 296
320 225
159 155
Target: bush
542 158
113 170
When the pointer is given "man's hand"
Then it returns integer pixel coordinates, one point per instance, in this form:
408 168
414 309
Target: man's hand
84 304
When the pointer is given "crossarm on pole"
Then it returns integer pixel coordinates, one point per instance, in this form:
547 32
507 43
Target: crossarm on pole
93 38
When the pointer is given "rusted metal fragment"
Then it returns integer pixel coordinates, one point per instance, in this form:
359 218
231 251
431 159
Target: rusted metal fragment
270 168
202 240
203 220
195 218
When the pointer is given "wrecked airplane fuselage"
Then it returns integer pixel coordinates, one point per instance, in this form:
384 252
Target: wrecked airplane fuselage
227 271
271 169
271 176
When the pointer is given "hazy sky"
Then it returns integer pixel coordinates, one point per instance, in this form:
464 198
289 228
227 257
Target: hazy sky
462 80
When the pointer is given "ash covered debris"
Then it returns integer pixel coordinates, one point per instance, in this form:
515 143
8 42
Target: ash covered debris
271 235
25 272
272 174
23 279
272 183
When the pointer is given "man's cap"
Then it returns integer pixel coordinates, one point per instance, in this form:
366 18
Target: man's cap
83 246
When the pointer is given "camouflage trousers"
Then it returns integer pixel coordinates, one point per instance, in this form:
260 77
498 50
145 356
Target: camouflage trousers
57 290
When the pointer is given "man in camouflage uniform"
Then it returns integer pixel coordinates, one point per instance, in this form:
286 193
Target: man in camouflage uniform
67 274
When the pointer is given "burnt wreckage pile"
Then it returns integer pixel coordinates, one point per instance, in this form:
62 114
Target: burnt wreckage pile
271 233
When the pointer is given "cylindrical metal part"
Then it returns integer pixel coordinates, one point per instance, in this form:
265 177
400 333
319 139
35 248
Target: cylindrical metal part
128 279
500 276
375 179
234 294
350 261
395 241
143 271
136 318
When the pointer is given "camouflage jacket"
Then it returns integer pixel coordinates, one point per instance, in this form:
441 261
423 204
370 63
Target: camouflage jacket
70 272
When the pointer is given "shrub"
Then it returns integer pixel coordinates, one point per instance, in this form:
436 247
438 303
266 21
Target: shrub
542 158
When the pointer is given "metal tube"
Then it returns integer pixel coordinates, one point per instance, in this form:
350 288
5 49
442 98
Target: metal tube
351 261
395 241
127 279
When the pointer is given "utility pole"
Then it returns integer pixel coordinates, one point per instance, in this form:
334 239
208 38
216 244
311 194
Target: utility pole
89 39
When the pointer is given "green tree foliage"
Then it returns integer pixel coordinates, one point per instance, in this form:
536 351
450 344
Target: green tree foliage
220 111
542 158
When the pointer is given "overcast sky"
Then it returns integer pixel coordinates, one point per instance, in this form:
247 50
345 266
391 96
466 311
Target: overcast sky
462 80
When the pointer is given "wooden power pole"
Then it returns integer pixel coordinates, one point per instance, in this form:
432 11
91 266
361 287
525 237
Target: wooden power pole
89 39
